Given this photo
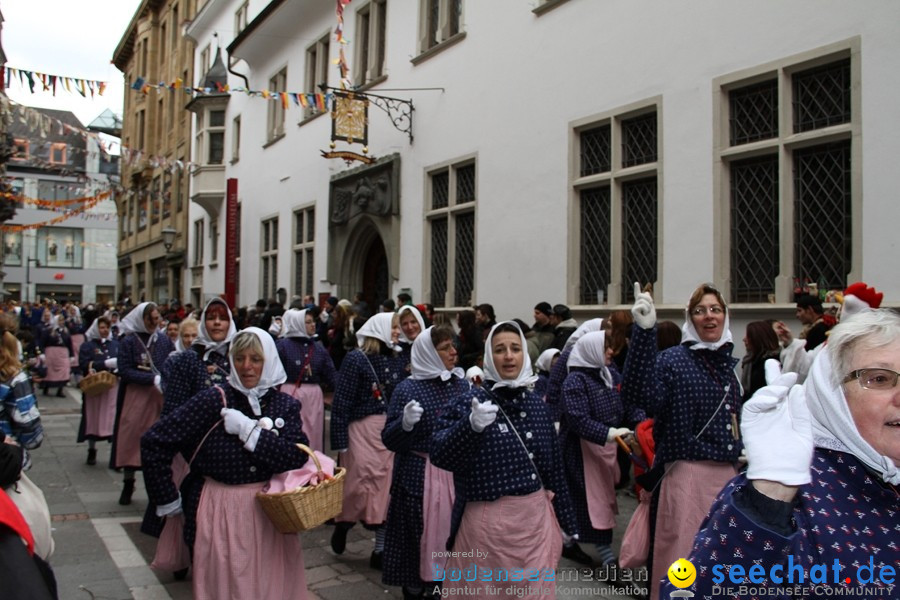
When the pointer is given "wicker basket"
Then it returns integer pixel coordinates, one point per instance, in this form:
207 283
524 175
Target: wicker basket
97 382
308 506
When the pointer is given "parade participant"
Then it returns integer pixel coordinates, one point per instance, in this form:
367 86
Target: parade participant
411 325
500 444
364 388
139 403
309 367
98 411
418 521
236 437
188 330
591 417
57 347
560 369
822 474
75 326
543 367
19 415
694 396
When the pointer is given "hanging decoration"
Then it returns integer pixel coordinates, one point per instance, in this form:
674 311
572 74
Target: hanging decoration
50 83
66 215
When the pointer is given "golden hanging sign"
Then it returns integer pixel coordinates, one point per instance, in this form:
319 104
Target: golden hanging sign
350 118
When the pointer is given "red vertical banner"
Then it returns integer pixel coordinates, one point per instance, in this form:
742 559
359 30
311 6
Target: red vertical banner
231 240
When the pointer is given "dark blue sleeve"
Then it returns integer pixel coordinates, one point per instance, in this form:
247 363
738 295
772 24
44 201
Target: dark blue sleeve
576 405
454 443
393 436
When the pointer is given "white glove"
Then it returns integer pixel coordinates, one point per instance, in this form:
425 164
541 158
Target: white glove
615 432
643 311
111 363
237 423
482 415
157 383
777 430
412 414
169 510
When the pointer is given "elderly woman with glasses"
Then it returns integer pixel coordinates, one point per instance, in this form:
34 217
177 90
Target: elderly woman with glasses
822 478
693 393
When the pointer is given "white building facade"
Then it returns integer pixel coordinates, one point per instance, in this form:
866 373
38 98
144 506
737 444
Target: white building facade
560 151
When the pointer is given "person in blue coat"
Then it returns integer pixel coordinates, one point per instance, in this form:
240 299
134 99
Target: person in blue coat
559 370
98 411
56 344
142 351
365 385
309 369
418 521
500 443
235 437
591 417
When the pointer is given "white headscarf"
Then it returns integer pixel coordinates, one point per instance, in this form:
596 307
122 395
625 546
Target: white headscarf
689 333
590 352
272 374
832 424
526 376
203 335
586 327
379 327
93 332
416 314
545 360
427 363
133 322
293 324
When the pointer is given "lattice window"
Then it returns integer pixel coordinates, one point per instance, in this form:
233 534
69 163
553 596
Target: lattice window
753 113
822 96
639 140
269 258
438 261
596 260
595 150
465 184
440 190
442 20
465 259
639 226
822 206
304 238
754 228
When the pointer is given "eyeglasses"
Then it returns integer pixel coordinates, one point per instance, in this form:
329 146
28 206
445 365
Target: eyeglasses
700 311
874 379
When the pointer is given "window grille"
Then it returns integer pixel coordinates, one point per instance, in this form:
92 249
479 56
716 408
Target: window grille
440 186
465 184
822 207
465 258
753 113
822 96
639 140
595 245
638 234
595 147
438 261
754 229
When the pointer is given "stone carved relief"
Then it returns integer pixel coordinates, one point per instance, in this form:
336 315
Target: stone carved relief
370 190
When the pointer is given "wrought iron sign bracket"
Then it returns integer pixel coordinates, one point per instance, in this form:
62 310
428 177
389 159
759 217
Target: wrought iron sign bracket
400 112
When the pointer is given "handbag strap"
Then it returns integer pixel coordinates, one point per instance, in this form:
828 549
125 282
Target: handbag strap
216 424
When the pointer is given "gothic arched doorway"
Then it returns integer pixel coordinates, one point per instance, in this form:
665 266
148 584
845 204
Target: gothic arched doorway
375 275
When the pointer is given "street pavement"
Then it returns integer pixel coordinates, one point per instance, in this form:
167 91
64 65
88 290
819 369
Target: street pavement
101 554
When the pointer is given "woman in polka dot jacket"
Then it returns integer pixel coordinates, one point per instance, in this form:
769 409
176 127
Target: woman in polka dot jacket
693 393
500 444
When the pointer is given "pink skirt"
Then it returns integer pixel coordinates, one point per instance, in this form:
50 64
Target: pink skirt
367 485
172 553
312 411
140 410
519 544
601 470
77 341
688 490
437 508
100 413
59 368
238 553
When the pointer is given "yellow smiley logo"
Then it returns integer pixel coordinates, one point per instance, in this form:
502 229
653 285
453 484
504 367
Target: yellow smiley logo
682 573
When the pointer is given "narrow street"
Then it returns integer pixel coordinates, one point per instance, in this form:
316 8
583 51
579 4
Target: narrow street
102 555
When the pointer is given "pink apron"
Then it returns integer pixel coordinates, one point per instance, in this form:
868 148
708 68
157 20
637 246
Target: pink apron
688 490
172 553
100 413
438 495
59 368
140 410
312 411
238 553
521 538
369 464
601 470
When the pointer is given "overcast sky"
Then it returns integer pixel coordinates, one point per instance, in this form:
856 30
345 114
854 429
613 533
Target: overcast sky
74 38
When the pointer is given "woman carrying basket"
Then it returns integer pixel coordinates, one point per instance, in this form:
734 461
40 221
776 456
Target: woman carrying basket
418 521
365 385
142 350
309 366
98 409
235 437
